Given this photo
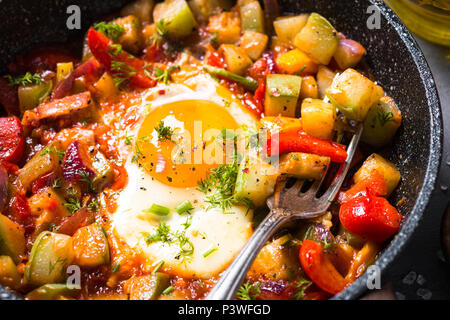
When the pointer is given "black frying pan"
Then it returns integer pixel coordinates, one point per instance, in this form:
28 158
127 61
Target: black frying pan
393 56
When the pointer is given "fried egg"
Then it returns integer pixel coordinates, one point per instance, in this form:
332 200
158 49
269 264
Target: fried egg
201 243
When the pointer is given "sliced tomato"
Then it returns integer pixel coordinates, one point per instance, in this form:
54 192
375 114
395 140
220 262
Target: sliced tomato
12 142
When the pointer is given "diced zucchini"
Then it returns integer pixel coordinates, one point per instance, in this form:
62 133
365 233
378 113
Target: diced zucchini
254 43
141 9
255 180
90 246
325 78
294 61
318 118
63 70
382 122
43 162
354 94
12 239
52 291
148 287
227 27
203 9
50 255
104 174
9 276
386 168
318 39
33 95
309 88
236 58
282 92
105 87
304 165
131 39
252 17
288 27
176 16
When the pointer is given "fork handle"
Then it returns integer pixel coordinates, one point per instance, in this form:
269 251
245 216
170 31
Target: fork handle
228 284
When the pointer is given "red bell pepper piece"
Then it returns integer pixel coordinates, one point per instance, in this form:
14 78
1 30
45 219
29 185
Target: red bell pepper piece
374 185
42 182
12 142
370 217
131 68
20 207
9 98
319 268
298 141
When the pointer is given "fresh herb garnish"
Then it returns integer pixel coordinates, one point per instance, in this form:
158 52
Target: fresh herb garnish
158 210
302 285
111 30
161 29
50 149
164 75
128 140
73 203
85 176
115 268
384 117
184 207
168 290
209 251
158 266
164 132
328 247
122 73
94 206
249 291
24 80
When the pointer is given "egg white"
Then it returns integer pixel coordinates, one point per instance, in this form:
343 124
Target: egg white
210 230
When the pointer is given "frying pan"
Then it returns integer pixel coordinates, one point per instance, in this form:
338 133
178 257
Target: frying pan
393 57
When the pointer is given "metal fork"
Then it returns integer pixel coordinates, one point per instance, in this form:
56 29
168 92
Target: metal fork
285 205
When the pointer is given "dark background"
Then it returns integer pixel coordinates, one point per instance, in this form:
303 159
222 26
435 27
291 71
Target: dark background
420 272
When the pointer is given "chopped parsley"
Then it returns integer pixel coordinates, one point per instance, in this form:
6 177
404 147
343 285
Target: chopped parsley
164 132
111 30
249 291
24 80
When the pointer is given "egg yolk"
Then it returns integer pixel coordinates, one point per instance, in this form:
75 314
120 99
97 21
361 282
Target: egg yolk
177 143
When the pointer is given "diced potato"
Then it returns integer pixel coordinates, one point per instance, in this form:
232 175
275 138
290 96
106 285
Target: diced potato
318 39
53 291
252 17
303 165
227 26
63 70
203 9
386 168
177 17
281 123
276 261
131 39
141 9
256 180
49 258
318 118
282 92
33 95
12 239
148 287
382 122
47 206
288 27
90 246
254 43
105 87
236 58
9 276
354 94
309 88
294 61
104 174
349 53
325 78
